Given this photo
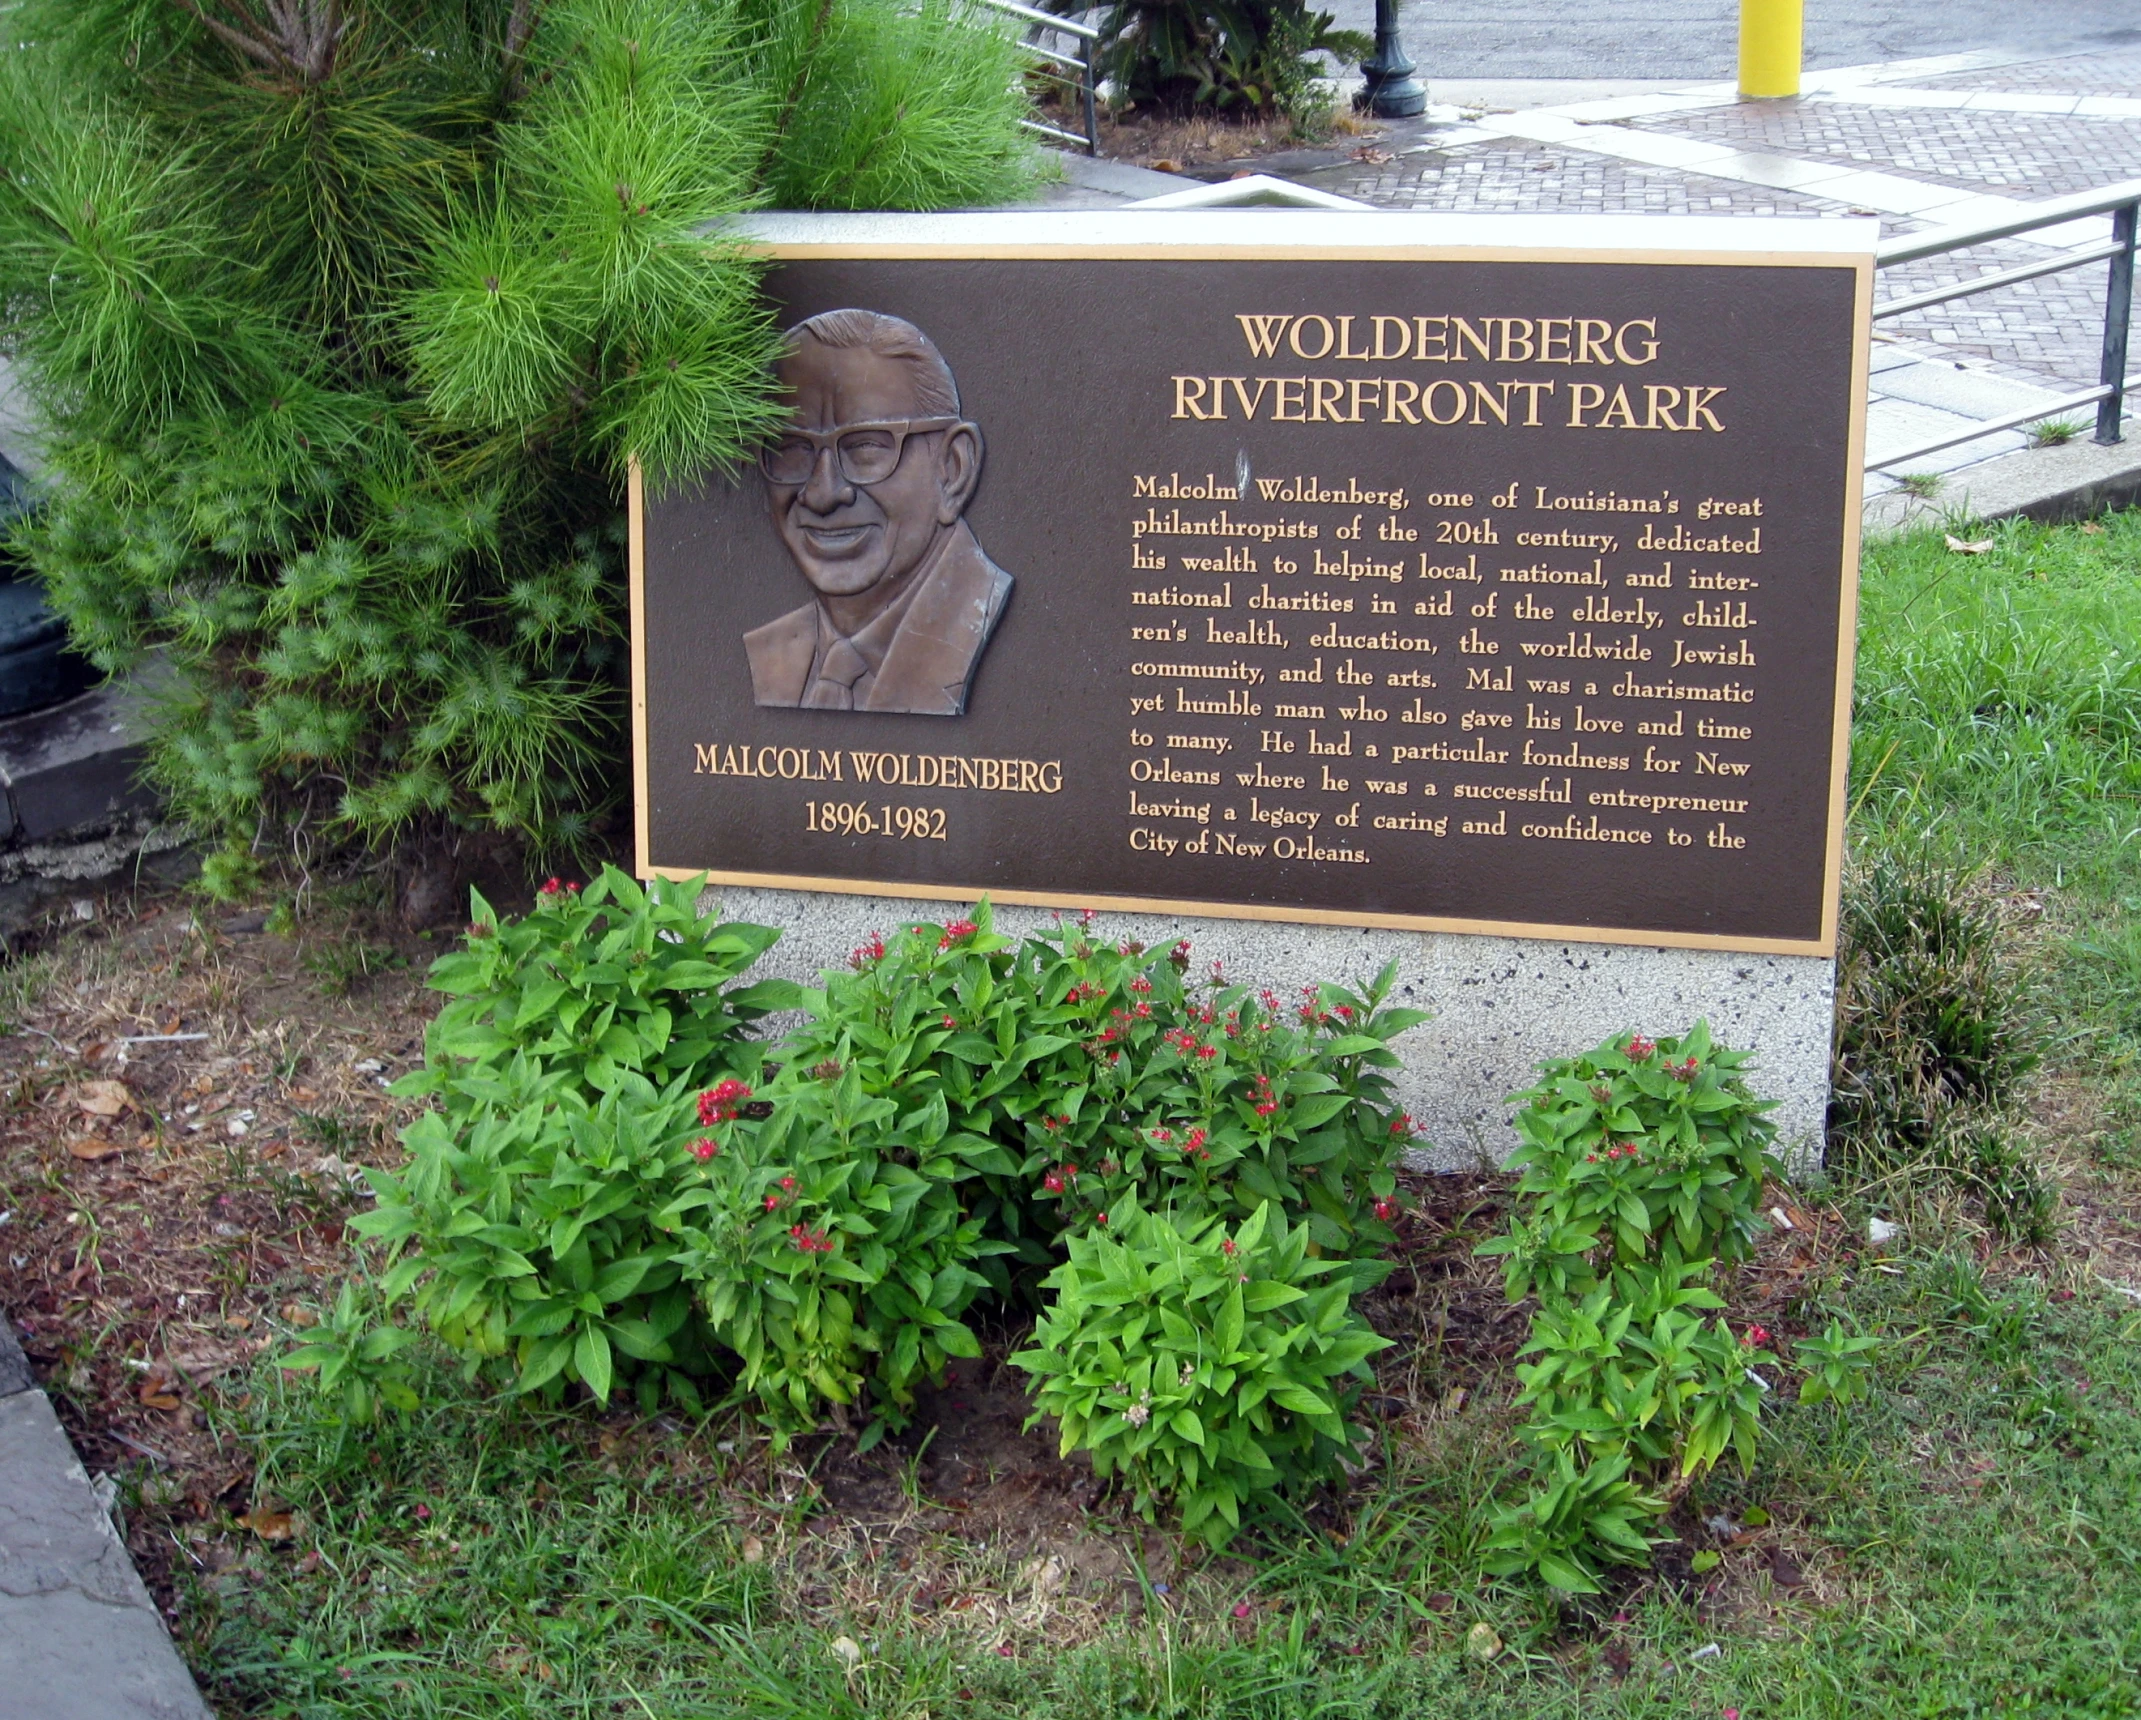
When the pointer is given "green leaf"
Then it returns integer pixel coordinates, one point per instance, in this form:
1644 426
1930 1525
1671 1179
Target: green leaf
591 1359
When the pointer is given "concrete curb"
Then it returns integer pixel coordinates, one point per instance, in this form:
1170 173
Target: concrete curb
2050 484
80 1638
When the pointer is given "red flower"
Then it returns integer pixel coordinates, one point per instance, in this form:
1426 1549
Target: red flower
705 1149
1401 1125
551 886
1386 1209
1195 1144
1218 973
1639 1049
1071 1171
1758 1336
1053 1182
1163 1136
423 1513
1242 1609
956 930
1100 1218
719 1103
481 929
872 950
951 1021
1207 1052
772 1201
1267 1107
787 1185
1141 985
1227 1247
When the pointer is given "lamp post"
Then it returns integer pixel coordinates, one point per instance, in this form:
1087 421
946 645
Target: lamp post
1390 91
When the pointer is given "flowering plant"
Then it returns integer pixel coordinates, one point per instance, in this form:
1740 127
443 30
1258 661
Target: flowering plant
1643 1163
1079 1075
596 984
1640 1150
1201 1363
828 1248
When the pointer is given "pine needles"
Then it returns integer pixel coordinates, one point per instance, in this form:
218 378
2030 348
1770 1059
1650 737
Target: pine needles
345 347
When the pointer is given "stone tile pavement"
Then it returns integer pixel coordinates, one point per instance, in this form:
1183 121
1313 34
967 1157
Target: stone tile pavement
79 1636
1932 142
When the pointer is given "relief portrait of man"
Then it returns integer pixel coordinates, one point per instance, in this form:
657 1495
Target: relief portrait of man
868 486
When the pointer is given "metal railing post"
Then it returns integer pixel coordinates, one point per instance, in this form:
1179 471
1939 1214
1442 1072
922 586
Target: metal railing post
1092 118
2118 318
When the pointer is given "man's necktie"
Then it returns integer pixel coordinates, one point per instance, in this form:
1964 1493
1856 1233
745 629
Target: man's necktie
834 689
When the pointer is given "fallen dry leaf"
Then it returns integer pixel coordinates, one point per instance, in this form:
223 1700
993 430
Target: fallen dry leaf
158 1400
754 1550
103 1098
268 1525
1163 165
96 1147
1975 546
2091 529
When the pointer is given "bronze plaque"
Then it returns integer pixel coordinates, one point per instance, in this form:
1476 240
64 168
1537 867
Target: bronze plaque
1375 570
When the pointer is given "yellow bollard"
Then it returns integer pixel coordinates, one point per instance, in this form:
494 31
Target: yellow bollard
1770 32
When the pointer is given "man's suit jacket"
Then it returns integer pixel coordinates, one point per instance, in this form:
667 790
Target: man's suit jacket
931 659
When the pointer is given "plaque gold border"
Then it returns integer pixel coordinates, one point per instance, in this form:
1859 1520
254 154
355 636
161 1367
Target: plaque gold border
1859 262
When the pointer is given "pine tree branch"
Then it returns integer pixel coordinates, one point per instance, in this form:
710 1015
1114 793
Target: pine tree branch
795 90
520 28
237 39
300 36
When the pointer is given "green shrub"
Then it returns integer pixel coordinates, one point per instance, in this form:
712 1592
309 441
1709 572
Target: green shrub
358 1356
566 1066
1935 1034
1643 1163
1075 1073
1203 1366
342 337
529 1242
827 1245
954 1112
1638 1151
1577 1516
1249 56
593 986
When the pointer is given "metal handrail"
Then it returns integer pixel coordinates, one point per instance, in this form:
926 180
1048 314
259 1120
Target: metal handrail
1986 283
1069 26
2053 211
2122 202
1084 81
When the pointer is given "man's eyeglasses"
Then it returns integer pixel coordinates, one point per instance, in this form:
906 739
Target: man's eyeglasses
863 454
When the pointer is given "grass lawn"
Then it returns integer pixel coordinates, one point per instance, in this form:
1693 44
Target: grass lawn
1967 1542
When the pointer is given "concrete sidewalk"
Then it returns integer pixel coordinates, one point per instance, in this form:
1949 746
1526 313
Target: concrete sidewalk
79 1635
